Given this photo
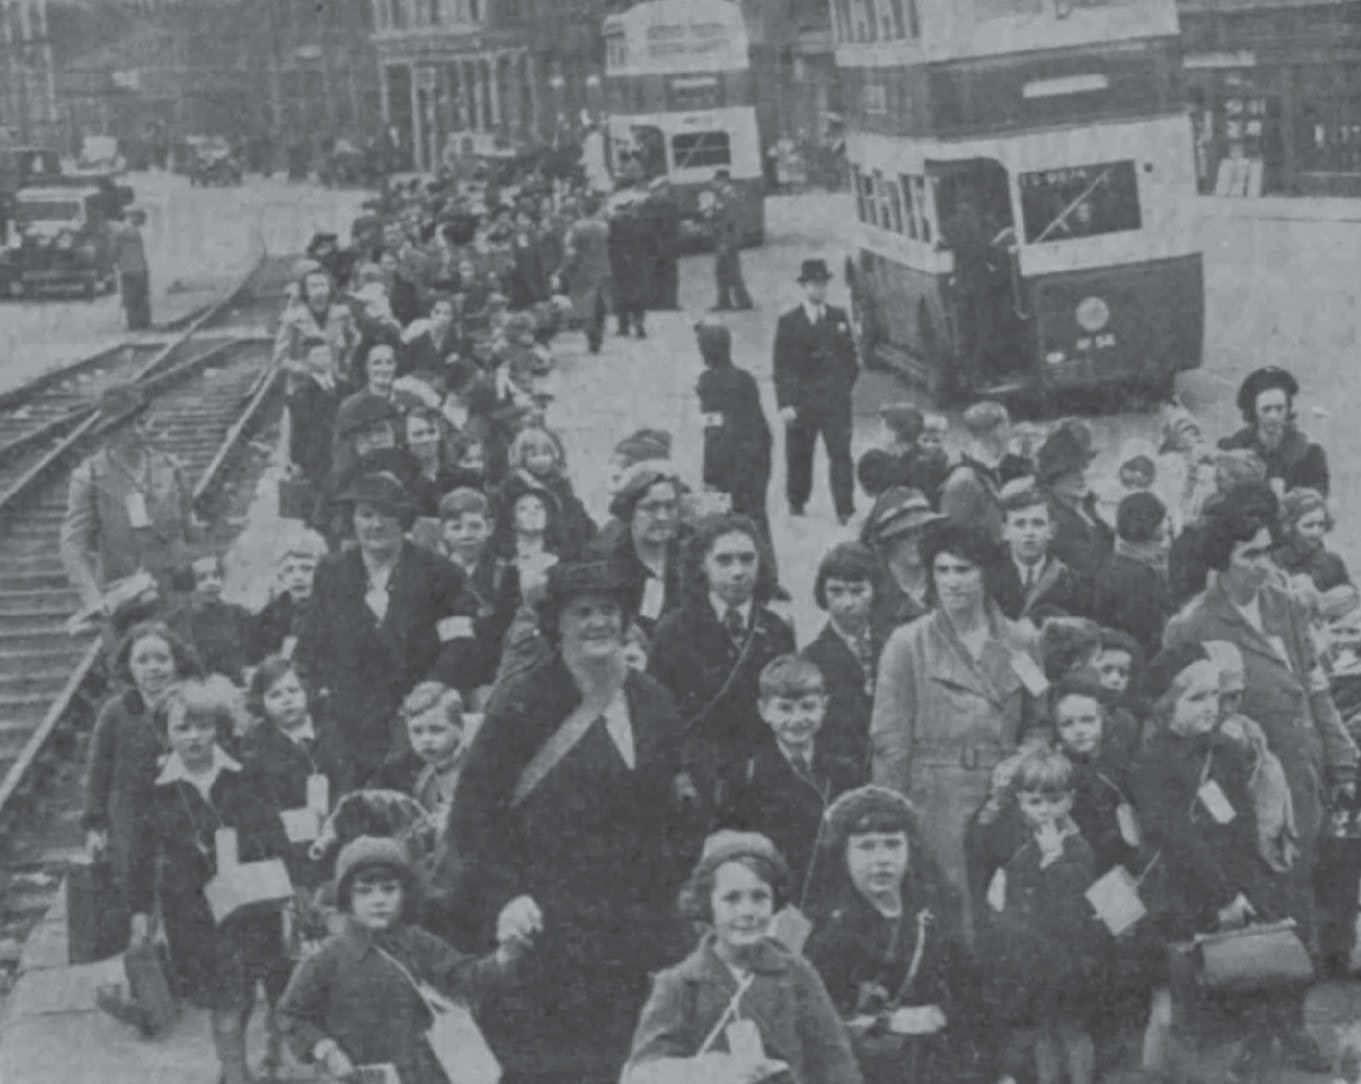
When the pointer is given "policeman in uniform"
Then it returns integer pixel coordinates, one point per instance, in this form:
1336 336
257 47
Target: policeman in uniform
815 371
130 507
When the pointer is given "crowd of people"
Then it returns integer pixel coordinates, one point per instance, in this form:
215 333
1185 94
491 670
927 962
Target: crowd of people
584 777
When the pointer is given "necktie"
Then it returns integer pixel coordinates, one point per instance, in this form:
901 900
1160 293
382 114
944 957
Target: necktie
732 621
864 650
1029 577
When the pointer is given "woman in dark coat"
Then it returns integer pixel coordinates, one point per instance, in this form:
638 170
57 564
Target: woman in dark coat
711 651
1132 594
648 541
375 626
736 435
127 742
1191 787
1266 399
568 809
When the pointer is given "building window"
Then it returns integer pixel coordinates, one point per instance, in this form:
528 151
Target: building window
864 198
842 17
398 14
436 16
892 15
475 10
1080 201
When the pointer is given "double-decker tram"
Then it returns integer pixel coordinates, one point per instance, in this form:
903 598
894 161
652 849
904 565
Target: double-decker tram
680 100
1024 177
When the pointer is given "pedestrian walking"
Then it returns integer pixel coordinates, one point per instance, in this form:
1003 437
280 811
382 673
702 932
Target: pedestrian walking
661 227
586 270
134 272
630 264
815 373
1266 400
725 231
736 434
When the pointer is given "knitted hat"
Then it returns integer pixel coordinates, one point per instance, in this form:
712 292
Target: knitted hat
367 852
726 845
867 809
363 411
637 480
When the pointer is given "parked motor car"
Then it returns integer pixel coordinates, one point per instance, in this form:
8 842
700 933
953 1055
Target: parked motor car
60 237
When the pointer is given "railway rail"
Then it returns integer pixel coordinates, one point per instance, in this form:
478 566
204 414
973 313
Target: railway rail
212 391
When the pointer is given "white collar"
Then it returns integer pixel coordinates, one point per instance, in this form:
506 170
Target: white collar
300 734
813 312
174 771
791 758
721 609
1039 567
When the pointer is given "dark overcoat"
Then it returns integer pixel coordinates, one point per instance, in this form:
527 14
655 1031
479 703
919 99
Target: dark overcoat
599 847
850 694
367 666
815 367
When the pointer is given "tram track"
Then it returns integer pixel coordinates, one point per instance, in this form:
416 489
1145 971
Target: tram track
212 389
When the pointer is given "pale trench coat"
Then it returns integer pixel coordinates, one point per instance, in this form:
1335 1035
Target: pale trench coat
942 722
1286 693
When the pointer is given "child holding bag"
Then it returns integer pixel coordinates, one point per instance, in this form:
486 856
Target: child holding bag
890 949
740 1008
200 792
368 997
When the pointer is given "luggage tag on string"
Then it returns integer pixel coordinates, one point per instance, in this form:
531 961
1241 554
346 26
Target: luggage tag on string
997 891
654 595
1032 677
744 1041
1212 797
135 505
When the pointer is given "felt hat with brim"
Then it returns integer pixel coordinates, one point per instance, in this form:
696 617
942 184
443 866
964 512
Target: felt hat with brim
365 411
814 271
382 490
1062 453
899 511
644 444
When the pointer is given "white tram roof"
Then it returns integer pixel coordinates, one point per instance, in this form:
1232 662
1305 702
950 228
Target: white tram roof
958 29
674 36
66 194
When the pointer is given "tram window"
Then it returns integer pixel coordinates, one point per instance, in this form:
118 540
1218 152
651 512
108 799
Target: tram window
864 197
843 20
1080 201
923 214
909 206
693 150
893 19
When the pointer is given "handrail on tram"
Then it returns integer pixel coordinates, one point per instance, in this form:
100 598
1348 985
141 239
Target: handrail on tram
1062 215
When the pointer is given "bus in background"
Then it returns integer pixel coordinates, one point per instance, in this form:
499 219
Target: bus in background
680 103
1023 176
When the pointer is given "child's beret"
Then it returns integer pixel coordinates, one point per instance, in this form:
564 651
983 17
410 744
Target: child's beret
867 809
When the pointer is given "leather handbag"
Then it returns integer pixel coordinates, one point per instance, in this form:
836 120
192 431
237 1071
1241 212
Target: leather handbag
1254 959
148 977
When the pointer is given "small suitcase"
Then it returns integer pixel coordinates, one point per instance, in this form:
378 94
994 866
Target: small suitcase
149 985
96 917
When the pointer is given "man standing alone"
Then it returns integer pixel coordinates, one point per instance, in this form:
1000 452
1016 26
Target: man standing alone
815 371
134 276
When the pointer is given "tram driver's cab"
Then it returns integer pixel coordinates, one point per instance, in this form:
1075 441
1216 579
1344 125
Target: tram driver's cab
978 228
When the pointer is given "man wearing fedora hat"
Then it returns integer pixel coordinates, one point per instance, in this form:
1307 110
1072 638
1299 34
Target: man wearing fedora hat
815 370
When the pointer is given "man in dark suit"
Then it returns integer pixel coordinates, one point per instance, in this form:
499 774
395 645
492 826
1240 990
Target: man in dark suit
377 622
815 370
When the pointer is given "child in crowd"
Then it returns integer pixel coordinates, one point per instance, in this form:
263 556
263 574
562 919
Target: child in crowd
902 426
932 462
199 791
538 461
1039 944
784 788
360 1001
846 651
1132 592
1119 662
1305 524
289 752
219 630
1028 580
473 647
740 1007
274 628
890 951
437 743
877 472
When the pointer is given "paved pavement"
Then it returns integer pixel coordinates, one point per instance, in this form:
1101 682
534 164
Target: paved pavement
1277 290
